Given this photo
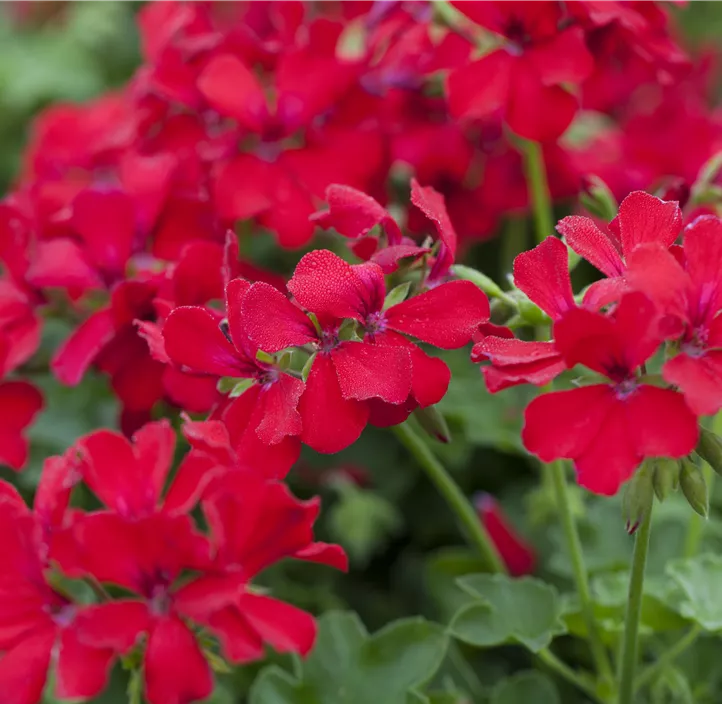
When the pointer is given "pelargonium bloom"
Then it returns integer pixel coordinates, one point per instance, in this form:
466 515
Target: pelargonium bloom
542 274
607 429
383 365
642 219
524 78
690 295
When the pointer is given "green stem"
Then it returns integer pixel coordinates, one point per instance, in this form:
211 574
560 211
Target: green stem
648 675
628 657
449 489
571 534
536 177
566 672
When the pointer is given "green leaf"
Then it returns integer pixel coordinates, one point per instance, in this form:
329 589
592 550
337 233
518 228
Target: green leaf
700 579
241 387
506 610
526 688
347 666
396 295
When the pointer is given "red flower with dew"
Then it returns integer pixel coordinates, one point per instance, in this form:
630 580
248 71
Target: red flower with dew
688 289
542 274
642 219
381 365
609 428
524 78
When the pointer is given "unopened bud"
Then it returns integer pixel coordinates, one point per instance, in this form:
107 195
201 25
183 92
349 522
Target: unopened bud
598 199
666 477
638 497
709 448
694 487
431 420
531 313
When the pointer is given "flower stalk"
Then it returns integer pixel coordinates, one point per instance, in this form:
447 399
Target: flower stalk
629 652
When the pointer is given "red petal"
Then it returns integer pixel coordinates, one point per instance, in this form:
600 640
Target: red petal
388 258
106 222
611 346
324 554
240 643
279 401
517 362
482 87
273 322
194 339
663 424
699 379
232 89
175 670
446 316
563 58
82 671
60 263
354 214
116 625
535 111
327 285
154 446
369 371
285 627
589 242
644 218
703 253
242 417
24 669
518 555
19 404
330 422
542 274
234 295
243 187
78 352
431 203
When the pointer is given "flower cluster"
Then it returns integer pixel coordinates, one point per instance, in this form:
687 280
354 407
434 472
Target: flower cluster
165 594
133 219
656 295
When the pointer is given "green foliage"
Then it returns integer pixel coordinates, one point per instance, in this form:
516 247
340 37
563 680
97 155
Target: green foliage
526 688
525 611
700 579
348 666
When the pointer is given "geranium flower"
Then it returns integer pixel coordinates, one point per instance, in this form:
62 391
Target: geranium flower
609 428
524 77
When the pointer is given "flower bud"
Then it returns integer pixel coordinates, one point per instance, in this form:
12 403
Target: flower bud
638 497
531 313
709 448
598 199
431 420
694 487
666 476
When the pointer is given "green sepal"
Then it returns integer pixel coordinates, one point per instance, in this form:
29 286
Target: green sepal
396 295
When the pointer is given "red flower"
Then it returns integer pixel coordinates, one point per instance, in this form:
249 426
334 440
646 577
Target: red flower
542 274
263 421
690 295
37 623
518 556
383 366
147 557
642 219
523 78
608 429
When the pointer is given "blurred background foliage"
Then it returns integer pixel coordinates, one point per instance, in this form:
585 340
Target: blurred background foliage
405 549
